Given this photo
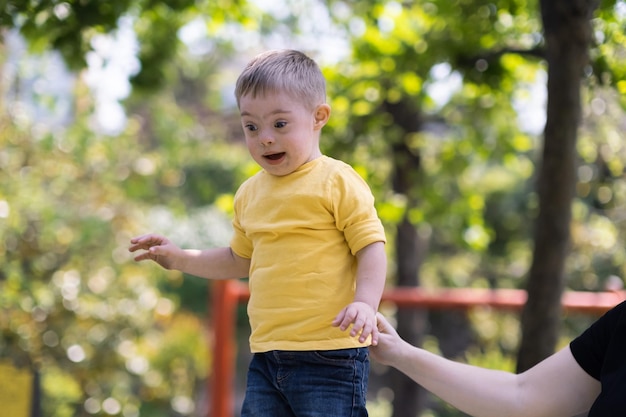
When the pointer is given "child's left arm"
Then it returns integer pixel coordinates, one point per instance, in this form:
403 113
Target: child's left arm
370 283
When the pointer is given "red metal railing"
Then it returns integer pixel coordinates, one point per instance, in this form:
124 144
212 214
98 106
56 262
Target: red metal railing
228 294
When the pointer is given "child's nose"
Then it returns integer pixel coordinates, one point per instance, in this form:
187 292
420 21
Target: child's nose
266 138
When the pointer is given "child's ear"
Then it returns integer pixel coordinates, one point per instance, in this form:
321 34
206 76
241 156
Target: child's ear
322 114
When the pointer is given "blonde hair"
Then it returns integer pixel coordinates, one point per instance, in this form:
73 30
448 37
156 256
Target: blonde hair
288 71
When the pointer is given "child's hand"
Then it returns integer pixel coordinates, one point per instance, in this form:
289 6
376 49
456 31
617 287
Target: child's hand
363 320
157 248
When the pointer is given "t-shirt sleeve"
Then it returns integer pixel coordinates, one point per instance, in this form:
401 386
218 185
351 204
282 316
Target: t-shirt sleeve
354 210
590 348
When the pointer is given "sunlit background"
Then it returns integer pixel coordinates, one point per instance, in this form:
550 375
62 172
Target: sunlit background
91 155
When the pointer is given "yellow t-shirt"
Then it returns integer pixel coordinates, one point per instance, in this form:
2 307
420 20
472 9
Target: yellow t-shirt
301 232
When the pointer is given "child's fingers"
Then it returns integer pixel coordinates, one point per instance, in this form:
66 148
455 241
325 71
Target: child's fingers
358 325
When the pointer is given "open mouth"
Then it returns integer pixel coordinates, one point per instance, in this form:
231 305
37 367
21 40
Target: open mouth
274 156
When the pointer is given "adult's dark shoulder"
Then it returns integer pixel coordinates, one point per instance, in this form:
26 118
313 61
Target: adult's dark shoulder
594 346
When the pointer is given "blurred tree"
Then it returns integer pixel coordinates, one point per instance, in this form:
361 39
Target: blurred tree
70 27
567 56
107 336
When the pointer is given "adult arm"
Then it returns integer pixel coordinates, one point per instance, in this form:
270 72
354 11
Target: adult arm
557 386
215 263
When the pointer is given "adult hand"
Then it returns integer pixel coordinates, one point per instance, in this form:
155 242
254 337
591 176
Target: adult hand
388 341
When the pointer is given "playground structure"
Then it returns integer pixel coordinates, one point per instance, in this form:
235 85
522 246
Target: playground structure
227 294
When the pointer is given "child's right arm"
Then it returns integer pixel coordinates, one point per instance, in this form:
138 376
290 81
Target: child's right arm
216 263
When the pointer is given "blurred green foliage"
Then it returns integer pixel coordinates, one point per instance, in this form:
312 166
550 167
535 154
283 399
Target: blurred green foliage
106 335
111 337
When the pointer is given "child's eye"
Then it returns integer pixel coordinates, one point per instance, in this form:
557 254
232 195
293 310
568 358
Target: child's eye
250 127
280 124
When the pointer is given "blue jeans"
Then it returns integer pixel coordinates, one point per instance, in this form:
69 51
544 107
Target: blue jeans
328 383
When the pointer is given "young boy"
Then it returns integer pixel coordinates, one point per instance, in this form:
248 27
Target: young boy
307 235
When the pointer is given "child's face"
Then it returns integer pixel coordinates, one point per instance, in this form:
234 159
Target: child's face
281 133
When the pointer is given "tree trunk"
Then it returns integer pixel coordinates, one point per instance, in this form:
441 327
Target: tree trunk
567 30
409 398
